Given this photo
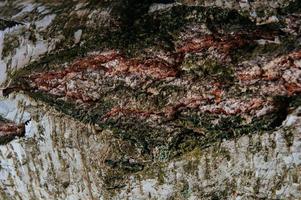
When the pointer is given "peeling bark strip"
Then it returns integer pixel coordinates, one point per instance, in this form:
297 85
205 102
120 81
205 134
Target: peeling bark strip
9 131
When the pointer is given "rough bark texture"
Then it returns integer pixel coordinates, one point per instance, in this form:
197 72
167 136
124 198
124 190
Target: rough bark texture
150 99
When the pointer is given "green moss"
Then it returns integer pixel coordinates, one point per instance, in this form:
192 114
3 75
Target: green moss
209 67
184 143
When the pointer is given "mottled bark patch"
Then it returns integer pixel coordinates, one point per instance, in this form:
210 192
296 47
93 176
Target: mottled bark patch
10 130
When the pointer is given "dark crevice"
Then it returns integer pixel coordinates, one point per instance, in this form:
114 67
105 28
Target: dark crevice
7 24
125 165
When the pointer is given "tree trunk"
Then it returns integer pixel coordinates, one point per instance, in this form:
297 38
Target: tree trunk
150 99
